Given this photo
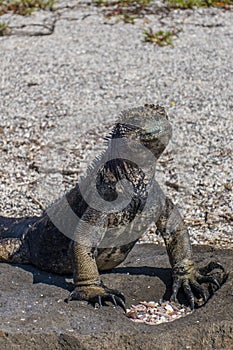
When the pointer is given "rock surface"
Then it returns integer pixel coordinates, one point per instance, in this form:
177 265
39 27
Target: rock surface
33 313
38 23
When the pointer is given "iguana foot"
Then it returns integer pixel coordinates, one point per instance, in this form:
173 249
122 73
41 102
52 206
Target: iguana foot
186 276
98 294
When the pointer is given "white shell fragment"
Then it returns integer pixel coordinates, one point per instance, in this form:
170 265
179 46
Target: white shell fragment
154 313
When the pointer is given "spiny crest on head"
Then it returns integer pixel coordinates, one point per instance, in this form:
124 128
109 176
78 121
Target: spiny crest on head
137 115
132 119
120 130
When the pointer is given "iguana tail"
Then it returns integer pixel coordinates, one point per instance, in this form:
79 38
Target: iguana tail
15 227
13 247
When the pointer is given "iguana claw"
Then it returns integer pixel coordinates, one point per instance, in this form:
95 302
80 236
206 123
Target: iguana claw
100 300
186 276
210 267
119 301
98 294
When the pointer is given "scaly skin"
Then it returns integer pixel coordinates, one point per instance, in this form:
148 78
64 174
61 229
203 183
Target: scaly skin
78 235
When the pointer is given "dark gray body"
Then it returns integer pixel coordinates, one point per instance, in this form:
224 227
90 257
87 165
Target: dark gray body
76 236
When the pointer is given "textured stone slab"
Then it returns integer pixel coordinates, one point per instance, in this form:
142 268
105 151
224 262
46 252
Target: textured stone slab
33 314
38 23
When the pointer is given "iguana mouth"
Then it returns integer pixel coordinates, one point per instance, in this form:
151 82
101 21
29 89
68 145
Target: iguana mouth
156 140
152 136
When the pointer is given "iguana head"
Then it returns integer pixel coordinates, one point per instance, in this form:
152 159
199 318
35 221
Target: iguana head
147 124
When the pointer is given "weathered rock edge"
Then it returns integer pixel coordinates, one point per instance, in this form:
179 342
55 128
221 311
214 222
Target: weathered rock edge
34 315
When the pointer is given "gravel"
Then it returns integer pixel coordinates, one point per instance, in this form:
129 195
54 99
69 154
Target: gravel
59 95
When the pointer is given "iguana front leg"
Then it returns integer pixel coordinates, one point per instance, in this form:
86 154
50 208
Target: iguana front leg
88 285
185 274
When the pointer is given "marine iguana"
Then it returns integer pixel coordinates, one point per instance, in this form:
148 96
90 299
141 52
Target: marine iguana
96 224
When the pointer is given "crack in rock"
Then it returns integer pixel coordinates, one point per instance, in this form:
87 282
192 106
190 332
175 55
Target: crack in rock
38 23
